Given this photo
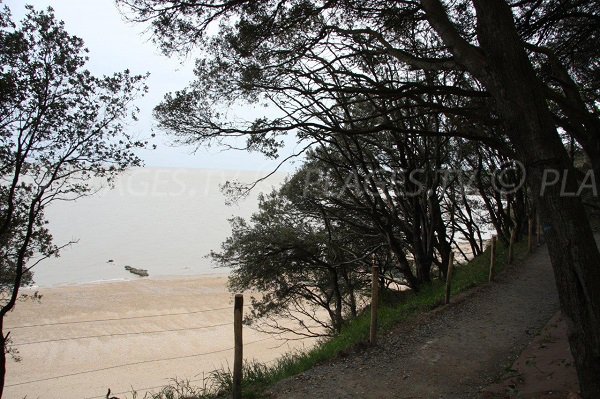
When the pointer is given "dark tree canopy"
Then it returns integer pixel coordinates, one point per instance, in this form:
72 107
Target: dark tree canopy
516 76
310 245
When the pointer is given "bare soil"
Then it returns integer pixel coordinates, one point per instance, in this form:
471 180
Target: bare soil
454 352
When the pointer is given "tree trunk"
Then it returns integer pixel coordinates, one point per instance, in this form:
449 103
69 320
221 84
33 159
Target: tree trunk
575 261
403 265
502 65
2 356
519 207
574 254
351 294
420 244
337 316
423 264
443 246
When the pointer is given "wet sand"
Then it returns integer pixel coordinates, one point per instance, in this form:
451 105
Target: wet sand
81 340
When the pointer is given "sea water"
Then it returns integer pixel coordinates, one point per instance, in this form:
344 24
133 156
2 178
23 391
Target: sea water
163 220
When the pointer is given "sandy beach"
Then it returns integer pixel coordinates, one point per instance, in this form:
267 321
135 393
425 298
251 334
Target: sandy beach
125 332
81 340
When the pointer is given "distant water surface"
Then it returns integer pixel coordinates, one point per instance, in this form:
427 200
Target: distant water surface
162 220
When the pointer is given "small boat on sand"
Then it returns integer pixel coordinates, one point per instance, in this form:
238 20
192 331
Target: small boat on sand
139 272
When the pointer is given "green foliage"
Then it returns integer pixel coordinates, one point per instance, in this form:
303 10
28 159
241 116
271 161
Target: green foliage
62 134
59 128
259 377
298 261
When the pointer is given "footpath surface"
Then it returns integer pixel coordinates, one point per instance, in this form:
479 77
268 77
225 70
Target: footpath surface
455 352
544 370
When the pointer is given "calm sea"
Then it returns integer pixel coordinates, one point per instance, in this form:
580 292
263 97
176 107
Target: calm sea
162 220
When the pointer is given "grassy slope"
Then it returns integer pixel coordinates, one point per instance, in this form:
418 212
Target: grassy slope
258 377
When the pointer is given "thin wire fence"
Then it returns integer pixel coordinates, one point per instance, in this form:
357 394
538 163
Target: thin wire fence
132 364
61 323
121 334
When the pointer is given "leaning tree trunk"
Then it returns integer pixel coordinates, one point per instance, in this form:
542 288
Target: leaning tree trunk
337 317
502 65
444 247
519 95
3 344
402 265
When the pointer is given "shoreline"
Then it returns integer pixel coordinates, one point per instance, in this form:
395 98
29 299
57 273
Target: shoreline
133 279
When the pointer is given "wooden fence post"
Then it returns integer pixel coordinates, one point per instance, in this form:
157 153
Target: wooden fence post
449 277
374 302
239 346
493 258
530 236
513 237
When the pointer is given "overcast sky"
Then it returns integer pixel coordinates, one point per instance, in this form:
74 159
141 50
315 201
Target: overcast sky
116 45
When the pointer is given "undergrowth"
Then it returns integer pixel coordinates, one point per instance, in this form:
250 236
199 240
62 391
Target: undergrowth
258 377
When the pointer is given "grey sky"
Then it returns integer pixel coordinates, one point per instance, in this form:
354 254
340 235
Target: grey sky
116 45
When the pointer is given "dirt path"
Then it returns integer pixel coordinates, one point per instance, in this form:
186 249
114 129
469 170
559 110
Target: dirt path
544 370
453 353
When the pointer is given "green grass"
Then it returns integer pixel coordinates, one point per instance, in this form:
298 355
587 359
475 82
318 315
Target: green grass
258 377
